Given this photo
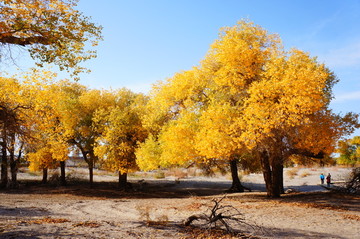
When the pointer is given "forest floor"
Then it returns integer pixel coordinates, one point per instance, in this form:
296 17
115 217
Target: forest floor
157 208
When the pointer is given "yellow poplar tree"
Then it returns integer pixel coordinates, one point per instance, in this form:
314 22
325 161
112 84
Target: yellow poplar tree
47 145
214 93
255 101
349 151
120 131
286 111
53 31
171 120
78 110
13 111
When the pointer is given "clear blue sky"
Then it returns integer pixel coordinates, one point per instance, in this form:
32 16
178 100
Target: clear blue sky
149 40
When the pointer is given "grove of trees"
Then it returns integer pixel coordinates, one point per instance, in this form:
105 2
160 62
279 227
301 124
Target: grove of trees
249 102
349 151
44 120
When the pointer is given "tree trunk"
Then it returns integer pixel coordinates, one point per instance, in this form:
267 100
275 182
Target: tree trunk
4 166
13 165
265 164
236 184
272 167
91 176
62 173
89 158
282 191
13 169
45 175
122 181
276 178
90 162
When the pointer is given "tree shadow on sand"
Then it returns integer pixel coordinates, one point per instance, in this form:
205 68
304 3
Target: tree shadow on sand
327 200
35 234
291 233
164 188
138 189
20 211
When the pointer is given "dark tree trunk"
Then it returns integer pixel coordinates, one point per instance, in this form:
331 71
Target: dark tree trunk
90 162
62 173
276 177
122 181
13 169
265 164
45 175
13 165
236 185
89 158
91 176
273 174
282 191
4 167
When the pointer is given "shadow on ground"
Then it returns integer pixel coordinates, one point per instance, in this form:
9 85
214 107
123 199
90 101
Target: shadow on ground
144 189
187 188
289 233
34 234
18 212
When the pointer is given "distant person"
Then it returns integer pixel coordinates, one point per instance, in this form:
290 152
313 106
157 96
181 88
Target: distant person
322 178
328 180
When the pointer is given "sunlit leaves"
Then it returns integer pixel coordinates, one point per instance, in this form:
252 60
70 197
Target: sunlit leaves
240 54
349 151
53 31
120 130
248 94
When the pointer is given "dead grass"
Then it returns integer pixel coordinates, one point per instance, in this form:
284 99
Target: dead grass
150 220
305 174
177 173
47 220
291 173
352 217
87 224
198 233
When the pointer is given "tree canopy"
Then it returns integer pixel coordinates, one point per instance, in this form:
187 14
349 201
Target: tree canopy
248 101
349 151
247 97
52 31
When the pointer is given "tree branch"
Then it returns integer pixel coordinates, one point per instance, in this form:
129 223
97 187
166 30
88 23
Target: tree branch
25 41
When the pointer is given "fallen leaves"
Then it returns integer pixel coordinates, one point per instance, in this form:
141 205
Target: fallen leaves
352 217
199 233
46 220
49 220
87 224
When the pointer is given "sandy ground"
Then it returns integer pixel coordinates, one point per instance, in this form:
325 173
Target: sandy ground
157 208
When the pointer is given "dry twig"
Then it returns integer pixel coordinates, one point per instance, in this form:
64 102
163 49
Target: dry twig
223 214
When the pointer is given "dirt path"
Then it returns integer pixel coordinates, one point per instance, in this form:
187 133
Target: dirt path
103 212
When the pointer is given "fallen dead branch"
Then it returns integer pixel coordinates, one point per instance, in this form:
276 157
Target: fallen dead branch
223 215
353 185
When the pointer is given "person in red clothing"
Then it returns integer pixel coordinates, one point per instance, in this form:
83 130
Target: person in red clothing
328 180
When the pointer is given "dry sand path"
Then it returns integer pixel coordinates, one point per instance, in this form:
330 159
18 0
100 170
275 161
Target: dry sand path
103 212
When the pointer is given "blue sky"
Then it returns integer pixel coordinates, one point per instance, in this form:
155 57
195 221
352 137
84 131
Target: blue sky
149 40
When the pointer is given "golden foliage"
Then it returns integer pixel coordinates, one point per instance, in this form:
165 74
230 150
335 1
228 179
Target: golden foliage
120 131
247 94
53 31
